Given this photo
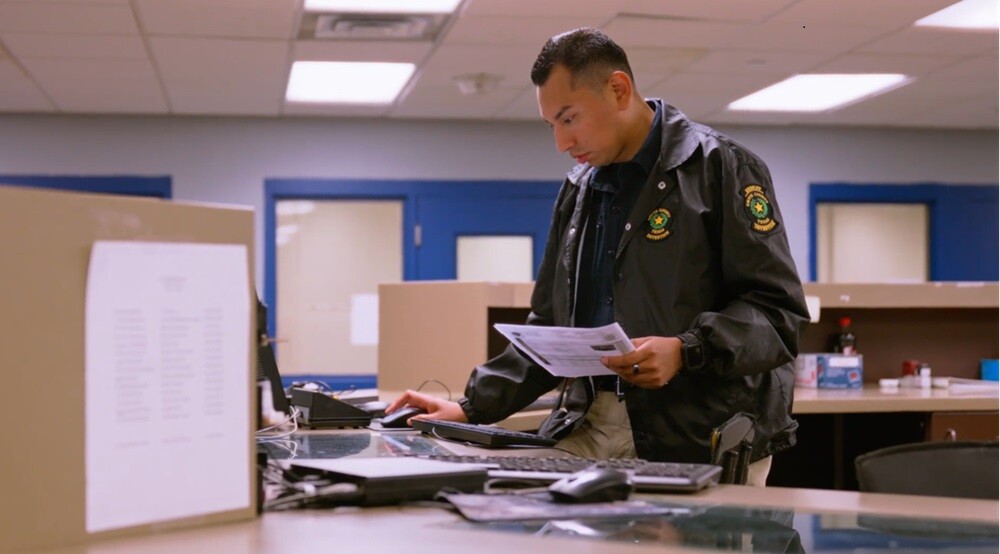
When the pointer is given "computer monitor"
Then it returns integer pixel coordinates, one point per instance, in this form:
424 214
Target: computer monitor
267 366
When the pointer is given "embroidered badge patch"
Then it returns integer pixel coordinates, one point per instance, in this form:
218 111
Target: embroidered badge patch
659 224
758 207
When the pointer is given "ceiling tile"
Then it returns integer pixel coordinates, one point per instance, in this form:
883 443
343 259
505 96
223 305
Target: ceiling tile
448 103
722 84
335 110
513 65
711 10
505 30
648 32
979 75
99 86
920 40
18 93
652 65
36 45
82 2
98 19
699 106
795 37
861 13
524 106
89 56
748 62
905 64
219 76
603 9
361 51
219 18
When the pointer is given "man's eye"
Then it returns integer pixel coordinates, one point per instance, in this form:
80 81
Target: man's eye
568 120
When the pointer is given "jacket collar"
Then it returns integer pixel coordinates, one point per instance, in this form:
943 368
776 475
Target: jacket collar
677 142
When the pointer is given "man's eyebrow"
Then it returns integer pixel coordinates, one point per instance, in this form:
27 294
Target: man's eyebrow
557 117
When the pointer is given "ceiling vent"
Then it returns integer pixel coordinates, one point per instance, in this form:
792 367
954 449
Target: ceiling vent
357 26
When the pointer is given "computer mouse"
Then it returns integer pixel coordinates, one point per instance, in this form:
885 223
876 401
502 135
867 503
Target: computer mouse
397 419
592 485
375 407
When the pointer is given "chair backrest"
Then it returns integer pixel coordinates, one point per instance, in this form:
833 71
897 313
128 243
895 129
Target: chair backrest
965 469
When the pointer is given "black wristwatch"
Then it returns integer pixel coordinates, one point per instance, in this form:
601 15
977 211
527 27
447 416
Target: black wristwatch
692 351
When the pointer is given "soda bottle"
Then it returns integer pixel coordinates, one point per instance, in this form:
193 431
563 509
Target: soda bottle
844 341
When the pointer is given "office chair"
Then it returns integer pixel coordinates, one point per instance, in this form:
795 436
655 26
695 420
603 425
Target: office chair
964 469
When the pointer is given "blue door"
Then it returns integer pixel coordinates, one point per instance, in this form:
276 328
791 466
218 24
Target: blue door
507 209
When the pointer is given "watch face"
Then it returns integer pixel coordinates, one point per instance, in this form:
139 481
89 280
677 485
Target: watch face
694 357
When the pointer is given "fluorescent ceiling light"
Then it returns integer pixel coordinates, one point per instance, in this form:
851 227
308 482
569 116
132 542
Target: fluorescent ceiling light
382 6
967 14
347 82
817 93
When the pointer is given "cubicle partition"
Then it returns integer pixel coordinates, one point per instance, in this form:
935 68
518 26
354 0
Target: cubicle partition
46 239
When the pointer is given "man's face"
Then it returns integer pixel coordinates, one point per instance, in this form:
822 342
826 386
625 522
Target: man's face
584 121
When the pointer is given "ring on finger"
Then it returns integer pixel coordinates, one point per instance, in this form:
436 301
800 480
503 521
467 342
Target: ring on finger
635 369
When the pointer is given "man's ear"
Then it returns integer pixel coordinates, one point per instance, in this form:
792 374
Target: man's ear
621 88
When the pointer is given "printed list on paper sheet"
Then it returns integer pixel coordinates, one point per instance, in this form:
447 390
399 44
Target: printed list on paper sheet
167 385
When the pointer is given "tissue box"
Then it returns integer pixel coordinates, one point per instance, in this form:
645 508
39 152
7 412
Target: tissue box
829 371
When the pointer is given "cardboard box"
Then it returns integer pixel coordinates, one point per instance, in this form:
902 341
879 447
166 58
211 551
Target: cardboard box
829 371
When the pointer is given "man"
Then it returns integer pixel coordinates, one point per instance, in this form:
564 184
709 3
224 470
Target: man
672 230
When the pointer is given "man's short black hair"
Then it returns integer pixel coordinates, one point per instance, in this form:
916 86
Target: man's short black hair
589 55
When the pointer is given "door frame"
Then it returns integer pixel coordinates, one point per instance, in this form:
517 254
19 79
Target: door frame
407 191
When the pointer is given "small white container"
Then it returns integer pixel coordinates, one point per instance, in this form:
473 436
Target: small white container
925 376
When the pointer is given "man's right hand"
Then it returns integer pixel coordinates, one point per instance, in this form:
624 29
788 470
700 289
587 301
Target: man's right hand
436 408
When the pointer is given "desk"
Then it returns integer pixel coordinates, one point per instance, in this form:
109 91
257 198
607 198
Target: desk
871 398
835 426
820 519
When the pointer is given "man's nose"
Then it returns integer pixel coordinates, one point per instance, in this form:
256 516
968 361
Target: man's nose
564 141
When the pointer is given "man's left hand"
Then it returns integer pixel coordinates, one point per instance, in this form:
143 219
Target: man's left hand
652 365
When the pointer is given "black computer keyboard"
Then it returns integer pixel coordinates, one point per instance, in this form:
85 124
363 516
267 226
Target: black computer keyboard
645 475
483 435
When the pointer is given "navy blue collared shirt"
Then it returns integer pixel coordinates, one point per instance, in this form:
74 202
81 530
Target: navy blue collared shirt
615 189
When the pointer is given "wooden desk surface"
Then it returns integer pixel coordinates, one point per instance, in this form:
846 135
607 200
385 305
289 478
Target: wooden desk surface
426 529
871 398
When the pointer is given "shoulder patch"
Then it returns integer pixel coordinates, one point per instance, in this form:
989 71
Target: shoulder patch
758 207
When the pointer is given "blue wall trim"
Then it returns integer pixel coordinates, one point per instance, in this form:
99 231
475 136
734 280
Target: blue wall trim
963 224
155 187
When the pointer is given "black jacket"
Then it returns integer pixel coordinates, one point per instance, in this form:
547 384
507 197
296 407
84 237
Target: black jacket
705 257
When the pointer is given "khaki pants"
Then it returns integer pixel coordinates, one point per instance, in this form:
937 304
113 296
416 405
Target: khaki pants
607 433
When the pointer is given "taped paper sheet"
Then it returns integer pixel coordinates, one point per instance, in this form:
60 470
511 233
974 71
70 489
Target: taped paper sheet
167 412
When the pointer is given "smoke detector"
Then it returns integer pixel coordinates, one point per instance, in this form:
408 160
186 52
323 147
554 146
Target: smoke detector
371 26
477 83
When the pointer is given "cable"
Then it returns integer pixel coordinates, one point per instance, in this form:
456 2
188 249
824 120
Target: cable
342 392
285 421
317 493
294 417
438 382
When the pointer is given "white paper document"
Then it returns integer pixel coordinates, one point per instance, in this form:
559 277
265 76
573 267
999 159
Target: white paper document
167 362
569 351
